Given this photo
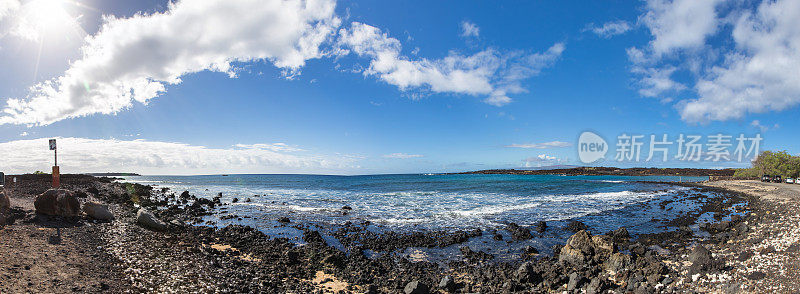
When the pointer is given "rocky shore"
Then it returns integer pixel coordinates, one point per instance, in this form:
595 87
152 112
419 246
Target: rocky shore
749 245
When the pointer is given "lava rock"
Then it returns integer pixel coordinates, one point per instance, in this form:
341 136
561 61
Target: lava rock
57 202
284 220
347 207
578 250
235 200
98 211
620 235
146 219
702 260
447 284
416 287
541 227
185 195
5 206
617 262
575 226
518 232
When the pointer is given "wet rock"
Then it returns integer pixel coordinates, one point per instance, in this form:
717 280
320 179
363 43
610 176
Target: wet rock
530 250
575 226
518 232
416 287
540 227
347 207
447 284
98 211
235 200
620 235
497 237
146 219
57 202
185 195
284 220
475 256
313 237
702 260
248 200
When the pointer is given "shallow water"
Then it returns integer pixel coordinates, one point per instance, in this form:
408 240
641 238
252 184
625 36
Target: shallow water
441 203
422 201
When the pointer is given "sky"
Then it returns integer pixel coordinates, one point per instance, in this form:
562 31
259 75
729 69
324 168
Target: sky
371 87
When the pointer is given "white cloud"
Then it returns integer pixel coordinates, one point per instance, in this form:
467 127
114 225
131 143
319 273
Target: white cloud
656 81
757 124
679 24
545 145
763 72
134 59
610 29
79 155
541 160
750 68
402 156
469 29
486 73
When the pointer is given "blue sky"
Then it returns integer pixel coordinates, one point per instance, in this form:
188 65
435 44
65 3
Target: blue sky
357 87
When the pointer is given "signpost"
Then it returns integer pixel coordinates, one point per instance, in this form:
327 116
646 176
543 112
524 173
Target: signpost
2 180
56 175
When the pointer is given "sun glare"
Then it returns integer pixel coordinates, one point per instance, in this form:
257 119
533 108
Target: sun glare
46 16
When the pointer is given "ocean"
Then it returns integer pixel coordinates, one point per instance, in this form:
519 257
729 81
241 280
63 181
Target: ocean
413 202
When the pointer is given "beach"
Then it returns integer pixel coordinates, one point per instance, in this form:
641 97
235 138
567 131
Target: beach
750 242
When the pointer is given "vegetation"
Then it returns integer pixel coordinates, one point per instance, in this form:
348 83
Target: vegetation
779 163
38 172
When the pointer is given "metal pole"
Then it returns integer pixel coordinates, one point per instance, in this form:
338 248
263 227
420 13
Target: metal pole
56 155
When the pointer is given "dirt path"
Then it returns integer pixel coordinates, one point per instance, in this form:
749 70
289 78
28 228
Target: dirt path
42 255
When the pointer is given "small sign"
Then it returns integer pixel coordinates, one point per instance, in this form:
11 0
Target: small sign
2 179
52 144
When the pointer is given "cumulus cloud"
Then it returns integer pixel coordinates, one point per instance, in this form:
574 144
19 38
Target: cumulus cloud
610 29
761 74
134 59
469 29
80 155
677 24
544 145
486 73
753 67
402 156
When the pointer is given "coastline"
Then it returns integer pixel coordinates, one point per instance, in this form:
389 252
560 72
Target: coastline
242 259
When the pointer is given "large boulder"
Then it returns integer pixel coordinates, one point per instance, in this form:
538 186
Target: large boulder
148 220
578 250
98 211
58 202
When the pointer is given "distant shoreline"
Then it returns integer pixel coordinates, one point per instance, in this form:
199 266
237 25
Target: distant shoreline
613 171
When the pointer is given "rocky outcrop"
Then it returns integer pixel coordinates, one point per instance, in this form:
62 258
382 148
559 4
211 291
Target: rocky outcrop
702 260
98 211
58 202
416 287
146 219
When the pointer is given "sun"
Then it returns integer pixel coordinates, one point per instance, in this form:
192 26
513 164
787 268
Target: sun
43 17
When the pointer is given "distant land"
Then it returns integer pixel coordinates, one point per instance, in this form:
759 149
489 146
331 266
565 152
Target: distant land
612 171
113 174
